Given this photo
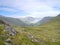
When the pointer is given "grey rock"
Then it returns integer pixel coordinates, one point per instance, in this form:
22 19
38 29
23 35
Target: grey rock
30 36
7 43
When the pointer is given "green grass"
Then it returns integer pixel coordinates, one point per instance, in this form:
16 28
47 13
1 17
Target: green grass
1 37
47 34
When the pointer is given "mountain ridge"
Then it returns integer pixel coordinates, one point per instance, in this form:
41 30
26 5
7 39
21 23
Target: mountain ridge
13 21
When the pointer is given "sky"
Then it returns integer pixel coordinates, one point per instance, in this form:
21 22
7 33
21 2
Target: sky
33 8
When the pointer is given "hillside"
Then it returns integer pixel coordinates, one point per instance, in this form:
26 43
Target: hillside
47 34
54 21
51 29
6 33
30 20
12 21
44 20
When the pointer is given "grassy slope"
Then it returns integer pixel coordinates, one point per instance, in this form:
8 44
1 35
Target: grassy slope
13 21
2 38
44 20
48 34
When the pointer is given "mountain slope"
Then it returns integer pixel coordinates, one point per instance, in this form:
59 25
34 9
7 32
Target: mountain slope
29 20
44 20
54 21
13 21
47 34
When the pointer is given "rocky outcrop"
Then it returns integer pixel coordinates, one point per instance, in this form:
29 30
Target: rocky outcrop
8 42
10 32
7 33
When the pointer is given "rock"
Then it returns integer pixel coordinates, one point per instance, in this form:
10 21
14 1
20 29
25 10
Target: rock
10 30
30 36
12 34
37 40
8 40
7 43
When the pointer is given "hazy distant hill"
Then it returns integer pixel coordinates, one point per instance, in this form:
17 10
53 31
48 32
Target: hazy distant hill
44 20
54 22
13 21
29 20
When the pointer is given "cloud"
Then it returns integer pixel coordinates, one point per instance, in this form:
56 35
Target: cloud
8 9
34 8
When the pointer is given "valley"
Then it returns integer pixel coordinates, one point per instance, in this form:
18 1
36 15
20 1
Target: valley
15 32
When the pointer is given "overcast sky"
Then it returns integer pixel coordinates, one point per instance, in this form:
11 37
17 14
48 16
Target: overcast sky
34 8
